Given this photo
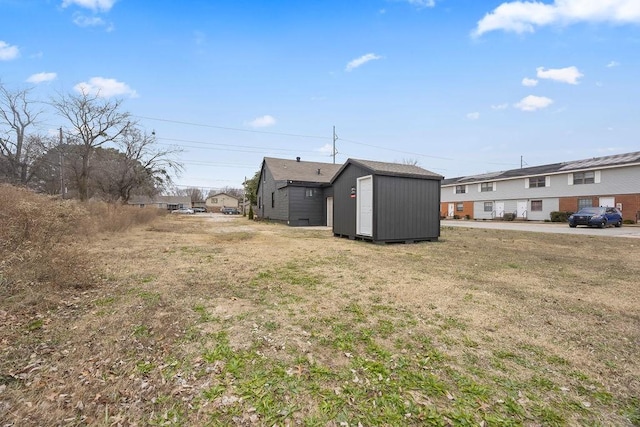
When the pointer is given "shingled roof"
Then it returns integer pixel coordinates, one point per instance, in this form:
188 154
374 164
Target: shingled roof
393 169
554 168
301 171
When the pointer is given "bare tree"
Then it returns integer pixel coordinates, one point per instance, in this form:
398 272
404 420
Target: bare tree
235 192
18 150
196 194
146 162
94 121
410 162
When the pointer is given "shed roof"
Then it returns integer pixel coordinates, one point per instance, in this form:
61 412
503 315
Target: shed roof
294 170
575 165
392 169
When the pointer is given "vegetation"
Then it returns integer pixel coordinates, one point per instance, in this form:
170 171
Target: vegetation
189 321
560 216
99 153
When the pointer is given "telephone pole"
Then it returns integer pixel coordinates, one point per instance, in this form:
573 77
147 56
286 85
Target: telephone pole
335 138
61 166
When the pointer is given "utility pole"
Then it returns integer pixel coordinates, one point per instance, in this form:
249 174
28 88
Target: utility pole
61 166
335 138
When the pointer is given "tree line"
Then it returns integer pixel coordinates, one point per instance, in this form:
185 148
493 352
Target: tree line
99 151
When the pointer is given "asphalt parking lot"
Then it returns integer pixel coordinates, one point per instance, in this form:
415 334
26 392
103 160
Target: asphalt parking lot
632 231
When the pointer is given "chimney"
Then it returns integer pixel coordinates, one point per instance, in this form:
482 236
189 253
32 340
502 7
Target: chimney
297 159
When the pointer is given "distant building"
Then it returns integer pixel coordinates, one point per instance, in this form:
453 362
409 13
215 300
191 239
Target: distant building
295 192
162 202
221 200
532 193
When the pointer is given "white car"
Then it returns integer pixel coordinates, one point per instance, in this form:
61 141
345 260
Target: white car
183 211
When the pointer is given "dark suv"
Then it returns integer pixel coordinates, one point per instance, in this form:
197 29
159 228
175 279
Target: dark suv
230 211
596 217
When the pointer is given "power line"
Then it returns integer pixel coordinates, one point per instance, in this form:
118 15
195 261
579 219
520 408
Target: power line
231 128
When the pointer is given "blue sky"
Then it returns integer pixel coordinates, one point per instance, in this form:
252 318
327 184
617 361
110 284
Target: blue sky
460 86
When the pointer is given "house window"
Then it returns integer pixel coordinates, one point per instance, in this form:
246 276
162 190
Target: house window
584 177
488 206
214 200
461 189
585 203
459 207
308 192
536 206
486 186
538 181
273 200
259 202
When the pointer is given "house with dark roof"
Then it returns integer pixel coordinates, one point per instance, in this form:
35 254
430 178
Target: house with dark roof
386 202
295 192
532 193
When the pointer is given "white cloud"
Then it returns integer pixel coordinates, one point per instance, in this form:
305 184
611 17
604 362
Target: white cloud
613 64
500 106
529 82
473 116
95 5
88 21
42 78
326 149
533 103
525 16
261 122
105 88
422 3
565 75
8 52
352 65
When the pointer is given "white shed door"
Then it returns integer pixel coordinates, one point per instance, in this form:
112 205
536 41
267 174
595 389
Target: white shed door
364 206
329 211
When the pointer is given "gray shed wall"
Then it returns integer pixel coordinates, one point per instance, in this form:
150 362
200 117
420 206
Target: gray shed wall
404 208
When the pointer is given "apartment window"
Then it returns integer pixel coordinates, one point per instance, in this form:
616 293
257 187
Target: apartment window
273 200
308 192
486 186
461 189
459 207
488 206
536 206
584 177
537 181
585 203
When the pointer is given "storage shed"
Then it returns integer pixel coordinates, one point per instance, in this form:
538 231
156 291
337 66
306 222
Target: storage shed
386 202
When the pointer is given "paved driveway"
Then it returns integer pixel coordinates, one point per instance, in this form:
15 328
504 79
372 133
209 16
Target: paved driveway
546 227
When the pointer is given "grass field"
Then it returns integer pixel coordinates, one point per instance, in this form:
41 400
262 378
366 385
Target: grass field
195 321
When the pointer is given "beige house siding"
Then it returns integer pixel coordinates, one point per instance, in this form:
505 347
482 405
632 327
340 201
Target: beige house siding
218 201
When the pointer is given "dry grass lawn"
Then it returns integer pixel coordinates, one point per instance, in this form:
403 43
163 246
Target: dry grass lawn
198 321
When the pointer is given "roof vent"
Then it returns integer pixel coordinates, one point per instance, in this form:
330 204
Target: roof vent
318 171
297 159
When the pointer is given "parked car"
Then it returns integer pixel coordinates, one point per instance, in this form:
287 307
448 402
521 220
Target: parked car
187 211
596 217
199 209
230 211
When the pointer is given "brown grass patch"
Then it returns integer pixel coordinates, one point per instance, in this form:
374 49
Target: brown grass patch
203 322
